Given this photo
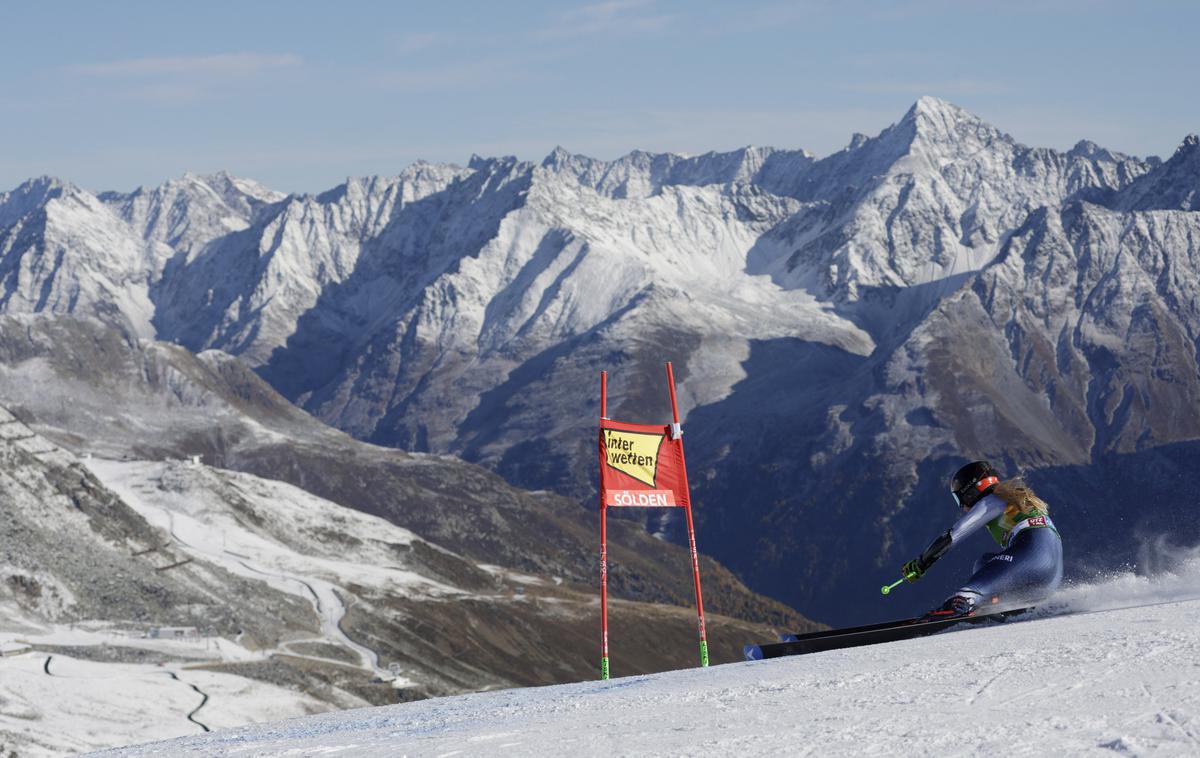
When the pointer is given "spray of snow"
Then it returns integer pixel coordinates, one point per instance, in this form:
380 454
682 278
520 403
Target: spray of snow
1169 573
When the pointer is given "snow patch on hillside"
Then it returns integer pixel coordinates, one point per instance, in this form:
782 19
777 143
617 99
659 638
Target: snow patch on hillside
273 532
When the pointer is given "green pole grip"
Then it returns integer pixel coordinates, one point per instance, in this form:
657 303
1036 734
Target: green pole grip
703 652
604 667
892 586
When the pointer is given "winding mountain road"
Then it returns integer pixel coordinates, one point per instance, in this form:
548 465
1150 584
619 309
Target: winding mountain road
322 594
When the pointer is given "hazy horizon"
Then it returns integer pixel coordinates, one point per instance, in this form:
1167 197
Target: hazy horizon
298 96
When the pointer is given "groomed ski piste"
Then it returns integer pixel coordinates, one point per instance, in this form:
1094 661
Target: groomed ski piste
1113 670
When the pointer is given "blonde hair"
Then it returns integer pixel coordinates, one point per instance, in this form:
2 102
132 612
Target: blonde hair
1019 497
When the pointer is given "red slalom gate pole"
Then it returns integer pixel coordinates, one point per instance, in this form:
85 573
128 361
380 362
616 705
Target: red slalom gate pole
677 432
604 670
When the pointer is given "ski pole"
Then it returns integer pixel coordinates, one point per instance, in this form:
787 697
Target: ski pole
892 586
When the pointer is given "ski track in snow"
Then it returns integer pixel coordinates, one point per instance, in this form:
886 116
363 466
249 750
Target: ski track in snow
1100 680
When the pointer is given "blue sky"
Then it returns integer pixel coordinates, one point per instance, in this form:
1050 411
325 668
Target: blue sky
300 95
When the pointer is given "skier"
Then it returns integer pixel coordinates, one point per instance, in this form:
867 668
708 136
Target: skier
1027 569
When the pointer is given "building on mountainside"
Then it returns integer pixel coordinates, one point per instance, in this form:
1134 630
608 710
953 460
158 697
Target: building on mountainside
173 633
8 649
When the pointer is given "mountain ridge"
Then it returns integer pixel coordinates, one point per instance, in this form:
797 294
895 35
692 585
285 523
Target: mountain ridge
808 305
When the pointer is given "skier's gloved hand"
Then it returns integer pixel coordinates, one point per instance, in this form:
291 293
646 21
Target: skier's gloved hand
916 568
912 570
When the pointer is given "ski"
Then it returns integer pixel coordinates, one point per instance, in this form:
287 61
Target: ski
873 634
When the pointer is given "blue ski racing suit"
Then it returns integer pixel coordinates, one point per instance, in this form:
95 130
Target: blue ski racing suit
1027 569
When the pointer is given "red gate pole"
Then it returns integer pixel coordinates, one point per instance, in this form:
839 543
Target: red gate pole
677 433
603 543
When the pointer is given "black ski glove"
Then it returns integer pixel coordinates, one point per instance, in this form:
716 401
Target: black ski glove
916 568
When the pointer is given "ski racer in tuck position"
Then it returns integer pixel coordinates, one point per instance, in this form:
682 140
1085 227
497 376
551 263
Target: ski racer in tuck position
1027 569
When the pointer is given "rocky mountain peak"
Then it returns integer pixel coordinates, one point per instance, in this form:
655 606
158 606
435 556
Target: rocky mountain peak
557 157
933 121
1187 156
642 174
28 197
932 128
235 190
492 165
39 186
1087 149
1173 185
936 109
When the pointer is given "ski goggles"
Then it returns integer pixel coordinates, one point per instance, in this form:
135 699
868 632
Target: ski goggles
958 501
980 486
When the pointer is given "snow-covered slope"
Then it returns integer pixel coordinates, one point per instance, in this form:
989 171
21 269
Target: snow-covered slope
188 213
63 251
1098 682
929 198
245 291
281 535
60 705
83 579
72 551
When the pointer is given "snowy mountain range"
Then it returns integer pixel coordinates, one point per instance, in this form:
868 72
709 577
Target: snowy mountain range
846 329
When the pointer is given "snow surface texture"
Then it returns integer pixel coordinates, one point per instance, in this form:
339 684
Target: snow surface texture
1123 681
66 705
